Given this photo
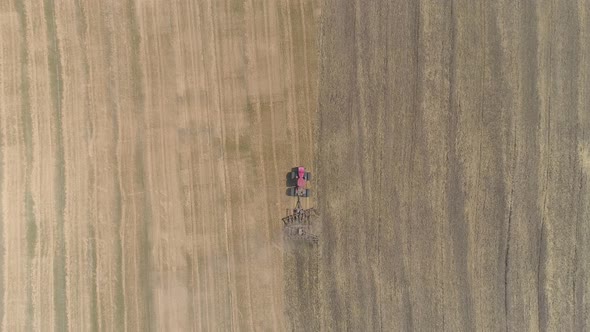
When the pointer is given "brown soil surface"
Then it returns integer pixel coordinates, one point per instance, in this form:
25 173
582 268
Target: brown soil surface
453 166
144 147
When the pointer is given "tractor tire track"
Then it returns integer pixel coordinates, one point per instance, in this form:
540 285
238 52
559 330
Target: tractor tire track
56 85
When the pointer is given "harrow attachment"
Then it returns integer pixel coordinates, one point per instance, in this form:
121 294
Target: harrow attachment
297 225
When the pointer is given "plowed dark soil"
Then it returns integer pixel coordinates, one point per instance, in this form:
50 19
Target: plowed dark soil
454 141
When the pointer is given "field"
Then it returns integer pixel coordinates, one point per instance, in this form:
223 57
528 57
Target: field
144 149
453 166
144 146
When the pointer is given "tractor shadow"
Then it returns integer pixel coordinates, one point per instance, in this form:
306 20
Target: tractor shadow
290 183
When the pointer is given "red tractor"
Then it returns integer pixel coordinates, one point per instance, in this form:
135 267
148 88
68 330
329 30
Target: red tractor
297 223
299 178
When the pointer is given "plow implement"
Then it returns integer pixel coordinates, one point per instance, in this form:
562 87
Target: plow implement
299 216
295 233
297 225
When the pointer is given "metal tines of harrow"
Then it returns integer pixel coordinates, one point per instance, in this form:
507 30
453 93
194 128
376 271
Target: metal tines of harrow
299 216
296 232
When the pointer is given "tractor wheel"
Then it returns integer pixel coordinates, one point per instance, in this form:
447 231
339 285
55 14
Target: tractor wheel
293 175
307 176
292 191
307 192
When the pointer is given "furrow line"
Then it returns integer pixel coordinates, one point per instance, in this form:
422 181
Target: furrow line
56 86
269 67
263 177
204 79
306 72
194 267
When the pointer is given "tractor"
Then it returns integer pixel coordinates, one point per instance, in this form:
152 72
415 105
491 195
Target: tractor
299 178
297 223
